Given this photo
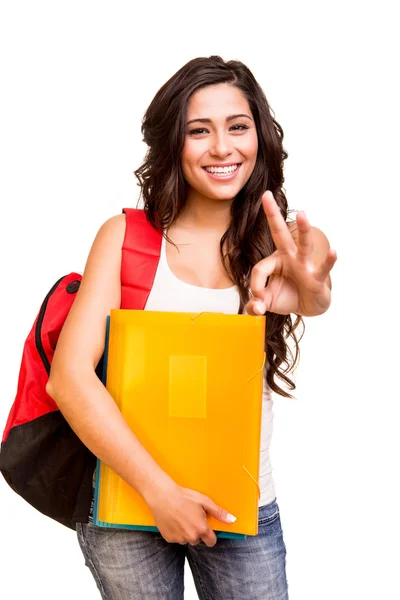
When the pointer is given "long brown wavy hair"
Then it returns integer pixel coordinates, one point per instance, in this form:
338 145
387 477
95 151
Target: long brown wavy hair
248 238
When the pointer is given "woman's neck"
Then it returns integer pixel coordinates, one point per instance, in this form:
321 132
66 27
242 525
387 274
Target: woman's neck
205 214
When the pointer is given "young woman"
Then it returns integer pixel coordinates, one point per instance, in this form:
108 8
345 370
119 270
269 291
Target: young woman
212 183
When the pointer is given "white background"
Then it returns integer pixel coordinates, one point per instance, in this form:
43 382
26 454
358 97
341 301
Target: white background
76 78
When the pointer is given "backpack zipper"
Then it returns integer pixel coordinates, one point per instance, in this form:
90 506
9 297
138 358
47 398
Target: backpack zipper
38 337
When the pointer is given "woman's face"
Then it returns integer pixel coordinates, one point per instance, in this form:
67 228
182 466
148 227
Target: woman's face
222 132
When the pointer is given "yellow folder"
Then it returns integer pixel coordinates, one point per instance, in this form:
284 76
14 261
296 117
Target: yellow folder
190 387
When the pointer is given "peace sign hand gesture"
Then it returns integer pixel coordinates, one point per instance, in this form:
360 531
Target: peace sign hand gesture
298 275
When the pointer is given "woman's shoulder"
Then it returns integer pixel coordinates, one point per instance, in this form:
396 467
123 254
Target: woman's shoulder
99 292
110 234
104 258
318 237
114 226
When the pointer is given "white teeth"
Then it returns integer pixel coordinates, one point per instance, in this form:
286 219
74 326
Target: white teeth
229 169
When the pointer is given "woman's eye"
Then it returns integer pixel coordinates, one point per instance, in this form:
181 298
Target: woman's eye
200 130
194 131
243 127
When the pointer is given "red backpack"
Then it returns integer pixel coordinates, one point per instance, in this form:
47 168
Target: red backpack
41 457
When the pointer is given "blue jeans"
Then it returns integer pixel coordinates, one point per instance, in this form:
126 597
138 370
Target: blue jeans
141 565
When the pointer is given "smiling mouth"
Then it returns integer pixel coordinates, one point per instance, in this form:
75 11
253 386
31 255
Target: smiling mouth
222 171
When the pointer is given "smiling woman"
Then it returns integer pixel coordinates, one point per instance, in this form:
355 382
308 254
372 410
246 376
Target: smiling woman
211 182
210 116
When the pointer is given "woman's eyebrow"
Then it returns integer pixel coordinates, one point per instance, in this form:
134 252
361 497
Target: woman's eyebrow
228 118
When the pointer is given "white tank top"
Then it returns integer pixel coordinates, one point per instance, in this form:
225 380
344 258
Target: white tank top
171 294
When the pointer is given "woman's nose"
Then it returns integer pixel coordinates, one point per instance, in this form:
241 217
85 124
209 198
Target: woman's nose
221 145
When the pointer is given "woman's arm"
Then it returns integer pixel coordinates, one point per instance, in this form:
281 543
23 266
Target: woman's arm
73 384
180 513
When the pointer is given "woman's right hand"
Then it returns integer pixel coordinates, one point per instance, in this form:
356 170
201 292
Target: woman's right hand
181 515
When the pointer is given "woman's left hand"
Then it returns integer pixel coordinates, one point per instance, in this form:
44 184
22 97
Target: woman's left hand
299 280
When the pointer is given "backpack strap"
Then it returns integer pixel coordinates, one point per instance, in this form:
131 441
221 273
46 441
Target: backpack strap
140 257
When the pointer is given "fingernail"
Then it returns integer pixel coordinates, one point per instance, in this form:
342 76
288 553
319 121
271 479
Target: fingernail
230 518
259 307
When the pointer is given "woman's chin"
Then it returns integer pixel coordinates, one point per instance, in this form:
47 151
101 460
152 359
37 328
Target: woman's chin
226 191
